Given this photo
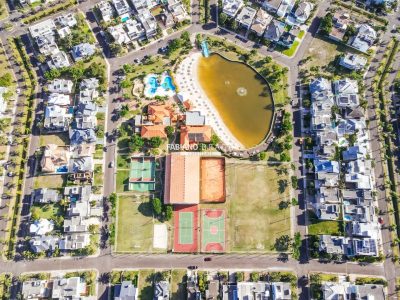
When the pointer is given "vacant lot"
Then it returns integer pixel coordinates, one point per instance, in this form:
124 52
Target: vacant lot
146 290
50 181
59 139
134 225
178 284
254 193
122 181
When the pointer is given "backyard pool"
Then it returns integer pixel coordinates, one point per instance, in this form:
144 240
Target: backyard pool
159 85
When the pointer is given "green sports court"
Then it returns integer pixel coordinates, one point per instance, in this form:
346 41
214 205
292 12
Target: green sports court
213 230
142 174
185 228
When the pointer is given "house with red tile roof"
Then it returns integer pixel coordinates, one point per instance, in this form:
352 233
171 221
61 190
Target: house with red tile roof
149 131
195 134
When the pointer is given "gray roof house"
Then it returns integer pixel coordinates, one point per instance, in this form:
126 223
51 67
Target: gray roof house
231 7
125 291
364 39
45 195
68 288
58 60
303 12
335 244
253 290
354 153
75 224
365 247
106 10
274 30
327 211
78 193
347 290
74 241
272 5
281 291
246 16
346 93
287 39
35 289
79 136
121 6
260 22
194 118
62 86
57 118
353 61
161 290
43 243
82 51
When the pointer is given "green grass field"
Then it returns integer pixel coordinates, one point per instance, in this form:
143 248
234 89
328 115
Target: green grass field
98 174
255 220
134 225
178 284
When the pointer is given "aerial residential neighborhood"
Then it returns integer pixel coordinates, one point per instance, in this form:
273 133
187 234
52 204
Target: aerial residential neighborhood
199 149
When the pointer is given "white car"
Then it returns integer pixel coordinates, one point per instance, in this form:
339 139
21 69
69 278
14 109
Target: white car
18 91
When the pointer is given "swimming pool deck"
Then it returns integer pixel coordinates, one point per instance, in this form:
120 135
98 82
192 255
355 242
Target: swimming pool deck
188 81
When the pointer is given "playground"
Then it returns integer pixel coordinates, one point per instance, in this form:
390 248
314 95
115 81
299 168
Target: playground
185 228
212 179
142 174
212 230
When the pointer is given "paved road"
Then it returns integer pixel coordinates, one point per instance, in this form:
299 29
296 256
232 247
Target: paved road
105 262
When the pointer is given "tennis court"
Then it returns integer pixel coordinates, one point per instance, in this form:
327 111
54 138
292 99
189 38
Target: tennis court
213 230
142 174
185 231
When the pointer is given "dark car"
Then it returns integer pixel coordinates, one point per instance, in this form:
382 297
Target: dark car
207 259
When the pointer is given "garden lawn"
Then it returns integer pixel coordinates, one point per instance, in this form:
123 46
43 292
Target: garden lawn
317 227
50 181
123 161
146 290
255 220
3 9
48 211
178 284
292 50
122 181
134 225
98 174
98 154
59 139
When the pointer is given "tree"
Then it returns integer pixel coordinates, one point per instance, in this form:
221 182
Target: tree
124 110
239 276
262 155
282 243
125 84
169 130
116 49
155 142
168 212
128 68
284 157
294 180
6 80
254 276
35 213
214 140
156 206
326 24
222 18
135 143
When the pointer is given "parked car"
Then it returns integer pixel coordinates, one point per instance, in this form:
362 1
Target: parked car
207 258
111 164
380 220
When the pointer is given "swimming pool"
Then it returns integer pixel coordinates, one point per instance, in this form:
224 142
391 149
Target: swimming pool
159 85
